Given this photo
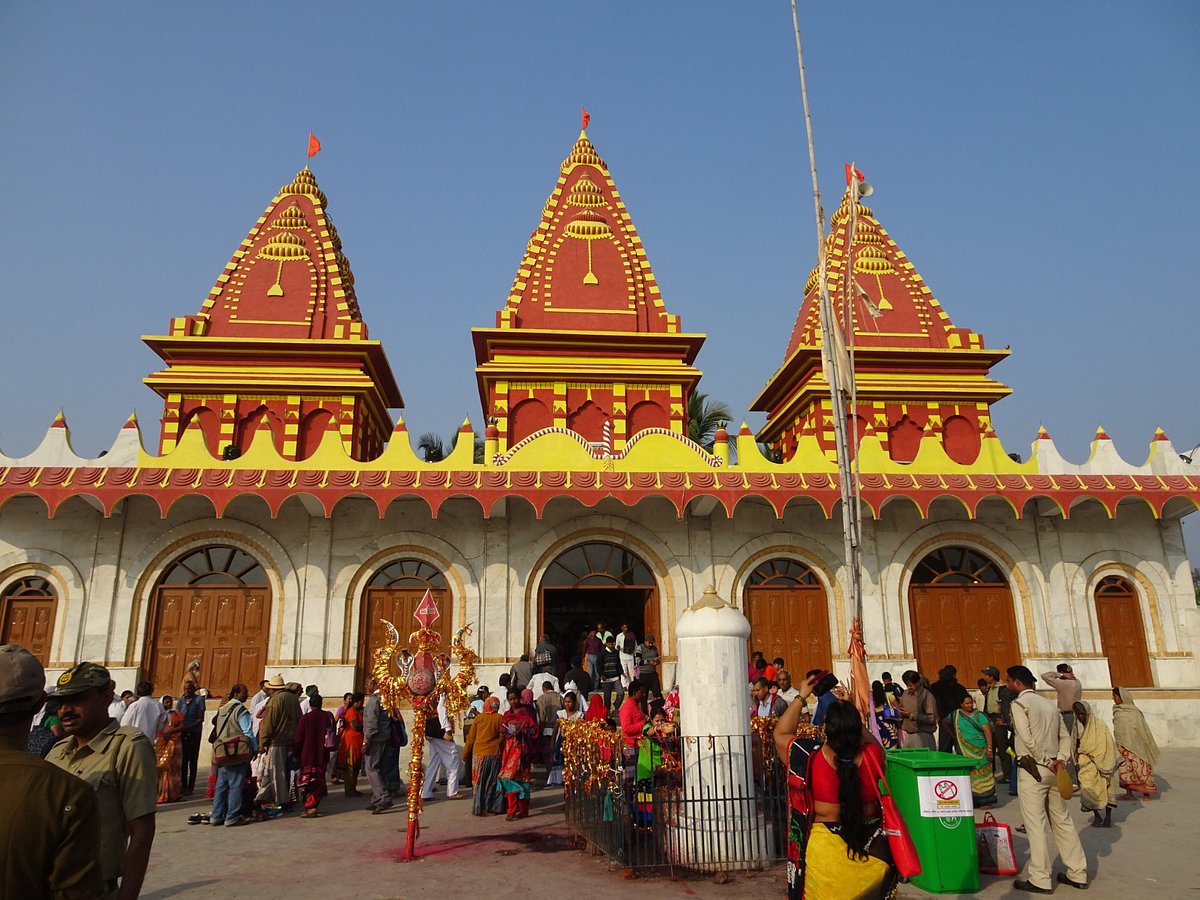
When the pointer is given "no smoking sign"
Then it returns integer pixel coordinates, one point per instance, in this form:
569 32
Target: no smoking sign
945 790
945 796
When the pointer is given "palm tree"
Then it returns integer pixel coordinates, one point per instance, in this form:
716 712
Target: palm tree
704 418
431 447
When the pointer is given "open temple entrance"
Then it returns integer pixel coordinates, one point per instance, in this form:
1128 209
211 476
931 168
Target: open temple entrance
595 582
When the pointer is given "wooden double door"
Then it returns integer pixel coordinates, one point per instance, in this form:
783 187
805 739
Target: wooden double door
968 626
29 623
791 622
225 628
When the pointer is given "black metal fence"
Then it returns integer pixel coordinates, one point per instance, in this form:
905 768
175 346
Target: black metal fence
701 803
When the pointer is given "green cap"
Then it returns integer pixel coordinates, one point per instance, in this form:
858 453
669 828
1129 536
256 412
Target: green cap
83 677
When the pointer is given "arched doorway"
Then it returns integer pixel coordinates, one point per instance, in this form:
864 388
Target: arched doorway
596 582
27 610
394 593
789 615
213 605
962 614
1122 637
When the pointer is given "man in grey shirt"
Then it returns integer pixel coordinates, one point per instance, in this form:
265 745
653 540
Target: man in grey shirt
377 731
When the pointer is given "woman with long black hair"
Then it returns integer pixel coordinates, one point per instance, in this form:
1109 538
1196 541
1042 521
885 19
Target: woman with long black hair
837 849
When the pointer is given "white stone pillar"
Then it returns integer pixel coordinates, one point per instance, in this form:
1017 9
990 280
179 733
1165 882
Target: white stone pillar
719 823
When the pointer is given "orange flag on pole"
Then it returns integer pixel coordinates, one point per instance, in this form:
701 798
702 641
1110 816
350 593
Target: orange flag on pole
852 172
585 117
314 146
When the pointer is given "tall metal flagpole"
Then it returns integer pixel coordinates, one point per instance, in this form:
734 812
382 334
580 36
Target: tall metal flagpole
831 351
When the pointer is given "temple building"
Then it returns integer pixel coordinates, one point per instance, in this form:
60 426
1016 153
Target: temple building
282 512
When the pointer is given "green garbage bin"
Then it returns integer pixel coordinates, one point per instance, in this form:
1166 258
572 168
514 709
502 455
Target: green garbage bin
933 792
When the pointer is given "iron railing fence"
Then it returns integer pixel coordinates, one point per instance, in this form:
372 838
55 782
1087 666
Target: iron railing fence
712 803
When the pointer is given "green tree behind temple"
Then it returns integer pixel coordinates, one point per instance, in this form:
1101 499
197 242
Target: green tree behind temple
704 417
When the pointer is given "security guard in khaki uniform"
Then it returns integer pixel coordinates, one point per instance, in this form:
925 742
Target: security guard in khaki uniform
119 764
49 820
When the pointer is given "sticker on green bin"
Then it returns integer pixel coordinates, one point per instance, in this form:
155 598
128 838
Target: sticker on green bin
945 796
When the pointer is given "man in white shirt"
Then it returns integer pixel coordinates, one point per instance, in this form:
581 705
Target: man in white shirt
145 713
116 709
439 739
783 678
1040 735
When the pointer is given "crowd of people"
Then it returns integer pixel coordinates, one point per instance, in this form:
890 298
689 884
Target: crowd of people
834 757
113 760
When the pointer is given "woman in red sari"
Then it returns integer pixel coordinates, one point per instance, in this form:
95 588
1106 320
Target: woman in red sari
314 740
518 737
169 751
350 750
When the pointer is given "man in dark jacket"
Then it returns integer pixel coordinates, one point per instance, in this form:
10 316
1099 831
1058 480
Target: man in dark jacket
949 695
608 667
577 676
545 657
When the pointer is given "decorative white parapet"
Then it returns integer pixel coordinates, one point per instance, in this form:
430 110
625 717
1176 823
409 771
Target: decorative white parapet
56 450
719 824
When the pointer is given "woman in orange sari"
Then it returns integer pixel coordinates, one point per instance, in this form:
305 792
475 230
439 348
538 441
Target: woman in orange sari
169 753
350 749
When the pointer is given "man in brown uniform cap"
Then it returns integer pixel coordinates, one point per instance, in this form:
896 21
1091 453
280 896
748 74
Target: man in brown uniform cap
49 819
119 764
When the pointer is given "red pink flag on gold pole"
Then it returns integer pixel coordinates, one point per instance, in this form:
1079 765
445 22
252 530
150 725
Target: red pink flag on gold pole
314 146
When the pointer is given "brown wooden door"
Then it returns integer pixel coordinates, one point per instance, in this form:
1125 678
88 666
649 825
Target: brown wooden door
1123 639
397 605
792 623
30 623
226 628
966 626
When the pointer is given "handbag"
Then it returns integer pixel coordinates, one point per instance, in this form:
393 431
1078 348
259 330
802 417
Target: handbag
904 851
996 856
231 751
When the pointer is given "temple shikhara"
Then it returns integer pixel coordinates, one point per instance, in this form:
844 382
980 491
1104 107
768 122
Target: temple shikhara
281 512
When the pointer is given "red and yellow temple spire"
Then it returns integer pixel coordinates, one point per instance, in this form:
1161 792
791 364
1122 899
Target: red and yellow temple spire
278 344
584 337
917 373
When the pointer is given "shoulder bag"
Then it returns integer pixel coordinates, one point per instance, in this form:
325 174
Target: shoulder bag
904 851
229 750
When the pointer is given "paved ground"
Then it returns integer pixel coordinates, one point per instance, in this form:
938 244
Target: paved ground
347 852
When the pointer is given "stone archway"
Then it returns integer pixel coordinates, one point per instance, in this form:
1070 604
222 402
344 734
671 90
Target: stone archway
788 611
1122 634
28 608
393 593
212 605
592 582
962 614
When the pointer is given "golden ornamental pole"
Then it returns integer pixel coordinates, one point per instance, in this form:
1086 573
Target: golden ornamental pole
421 679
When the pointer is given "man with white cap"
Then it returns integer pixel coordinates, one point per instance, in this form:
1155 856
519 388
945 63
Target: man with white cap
49 819
119 763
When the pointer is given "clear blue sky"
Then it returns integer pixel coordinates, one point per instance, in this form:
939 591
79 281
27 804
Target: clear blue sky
1035 161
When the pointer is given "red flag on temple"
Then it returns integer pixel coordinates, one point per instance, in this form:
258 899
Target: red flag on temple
852 172
585 118
314 146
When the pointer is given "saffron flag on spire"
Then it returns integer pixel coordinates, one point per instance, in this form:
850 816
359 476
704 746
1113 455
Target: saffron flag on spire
585 117
314 146
852 173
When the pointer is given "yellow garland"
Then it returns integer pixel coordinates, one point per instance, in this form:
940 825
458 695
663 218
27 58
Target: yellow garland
394 690
591 751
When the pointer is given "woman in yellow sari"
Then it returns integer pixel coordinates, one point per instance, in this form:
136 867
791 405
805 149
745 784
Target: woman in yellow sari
1096 758
1135 743
974 733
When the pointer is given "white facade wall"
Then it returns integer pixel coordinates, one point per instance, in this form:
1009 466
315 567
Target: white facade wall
104 572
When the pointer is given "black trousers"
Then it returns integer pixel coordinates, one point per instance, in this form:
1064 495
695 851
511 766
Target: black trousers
191 753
